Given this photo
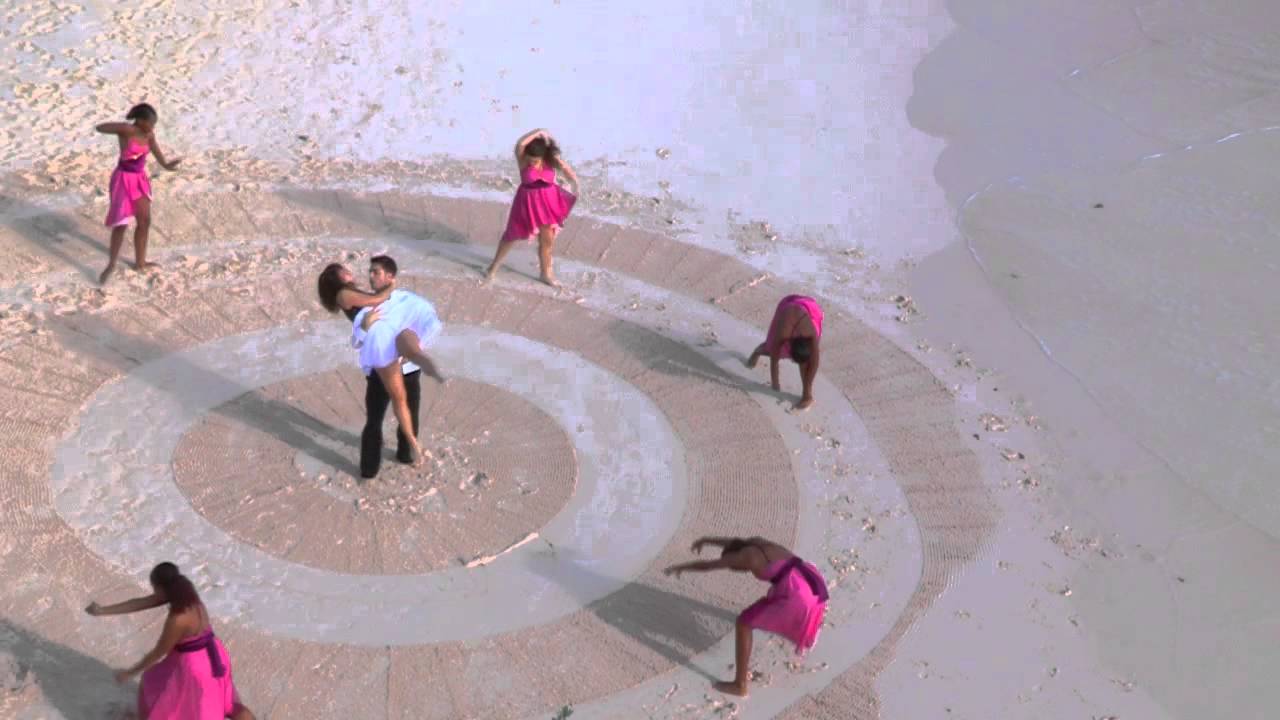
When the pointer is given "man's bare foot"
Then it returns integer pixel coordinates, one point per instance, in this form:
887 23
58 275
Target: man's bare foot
804 404
550 280
106 274
145 266
730 688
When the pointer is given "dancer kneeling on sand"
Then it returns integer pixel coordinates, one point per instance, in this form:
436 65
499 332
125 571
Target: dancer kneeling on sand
540 206
130 186
795 333
793 607
187 675
387 326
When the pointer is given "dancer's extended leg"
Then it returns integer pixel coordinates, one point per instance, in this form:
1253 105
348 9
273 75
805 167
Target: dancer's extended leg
393 381
117 242
141 231
546 243
742 656
504 247
409 347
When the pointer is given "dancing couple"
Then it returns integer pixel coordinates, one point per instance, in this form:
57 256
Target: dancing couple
390 329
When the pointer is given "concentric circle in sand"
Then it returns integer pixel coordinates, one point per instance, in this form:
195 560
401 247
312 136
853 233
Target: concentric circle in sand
500 469
305 636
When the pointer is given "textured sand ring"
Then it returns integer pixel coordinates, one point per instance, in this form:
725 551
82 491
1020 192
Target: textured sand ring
500 470
906 411
126 504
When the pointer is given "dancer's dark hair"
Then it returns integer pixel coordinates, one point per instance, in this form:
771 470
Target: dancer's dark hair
385 262
329 285
542 148
801 349
142 111
177 588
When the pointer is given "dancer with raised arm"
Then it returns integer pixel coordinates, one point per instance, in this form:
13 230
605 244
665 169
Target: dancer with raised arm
187 675
540 206
130 188
795 333
793 608
391 328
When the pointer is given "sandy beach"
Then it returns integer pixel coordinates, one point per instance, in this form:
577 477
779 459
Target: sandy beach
1034 476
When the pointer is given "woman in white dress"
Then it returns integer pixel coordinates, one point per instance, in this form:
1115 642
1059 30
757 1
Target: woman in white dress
386 327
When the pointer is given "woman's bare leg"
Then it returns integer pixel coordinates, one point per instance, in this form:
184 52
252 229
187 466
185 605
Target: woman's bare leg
742 658
504 247
393 380
141 231
755 355
240 712
117 242
409 347
547 242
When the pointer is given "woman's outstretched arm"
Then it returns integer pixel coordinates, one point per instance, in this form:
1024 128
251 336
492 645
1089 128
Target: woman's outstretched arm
169 637
154 600
155 150
116 128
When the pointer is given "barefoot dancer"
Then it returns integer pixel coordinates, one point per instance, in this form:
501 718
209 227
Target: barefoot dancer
795 333
540 206
130 186
187 675
400 325
793 607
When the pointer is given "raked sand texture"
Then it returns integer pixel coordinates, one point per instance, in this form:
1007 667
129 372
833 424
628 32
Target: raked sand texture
270 468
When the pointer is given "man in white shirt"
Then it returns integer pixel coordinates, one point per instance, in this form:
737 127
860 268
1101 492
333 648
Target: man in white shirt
382 274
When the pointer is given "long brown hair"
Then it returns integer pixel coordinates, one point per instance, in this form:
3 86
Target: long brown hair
177 588
329 285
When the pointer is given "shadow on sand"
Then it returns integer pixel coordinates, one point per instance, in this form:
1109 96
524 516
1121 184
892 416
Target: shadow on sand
76 685
672 625
47 232
290 425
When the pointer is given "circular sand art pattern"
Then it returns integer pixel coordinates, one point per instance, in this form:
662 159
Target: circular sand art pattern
630 475
669 445
498 469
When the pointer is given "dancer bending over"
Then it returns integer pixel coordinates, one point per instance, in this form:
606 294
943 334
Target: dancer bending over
793 607
187 675
130 186
794 333
540 206
386 326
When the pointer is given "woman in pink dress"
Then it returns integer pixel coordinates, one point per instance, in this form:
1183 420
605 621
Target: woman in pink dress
794 333
130 186
187 675
540 206
793 608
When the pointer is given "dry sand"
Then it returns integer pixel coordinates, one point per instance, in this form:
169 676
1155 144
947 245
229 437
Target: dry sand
519 573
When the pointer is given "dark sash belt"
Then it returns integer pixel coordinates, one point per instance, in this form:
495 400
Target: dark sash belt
206 643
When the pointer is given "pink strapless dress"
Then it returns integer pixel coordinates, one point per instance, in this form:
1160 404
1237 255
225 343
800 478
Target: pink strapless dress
193 682
129 182
810 306
794 606
539 201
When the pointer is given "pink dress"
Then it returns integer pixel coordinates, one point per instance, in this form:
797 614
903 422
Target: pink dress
129 182
193 682
810 306
795 604
539 201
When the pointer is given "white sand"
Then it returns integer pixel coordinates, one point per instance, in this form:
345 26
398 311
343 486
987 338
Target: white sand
1119 386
